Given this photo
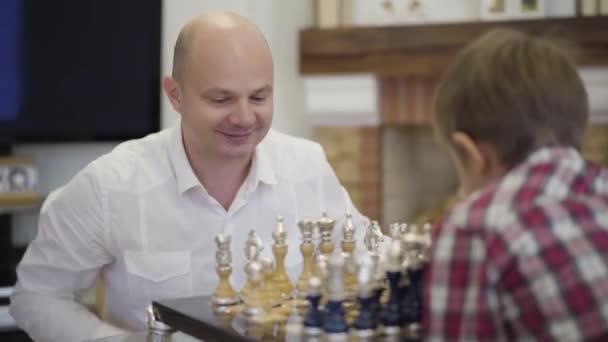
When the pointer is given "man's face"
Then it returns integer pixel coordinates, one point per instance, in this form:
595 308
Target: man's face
226 103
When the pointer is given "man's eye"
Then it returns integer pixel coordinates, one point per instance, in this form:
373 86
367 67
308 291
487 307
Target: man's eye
220 100
258 98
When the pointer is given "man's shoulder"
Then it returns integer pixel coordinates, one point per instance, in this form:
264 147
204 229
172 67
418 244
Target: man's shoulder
291 155
279 143
142 159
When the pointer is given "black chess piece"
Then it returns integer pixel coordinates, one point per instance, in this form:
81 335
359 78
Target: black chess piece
313 321
334 323
366 322
367 319
391 314
412 299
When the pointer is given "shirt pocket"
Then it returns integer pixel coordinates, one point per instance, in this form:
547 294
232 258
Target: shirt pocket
157 275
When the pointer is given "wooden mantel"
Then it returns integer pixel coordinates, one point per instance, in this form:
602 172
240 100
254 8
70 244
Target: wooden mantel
425 50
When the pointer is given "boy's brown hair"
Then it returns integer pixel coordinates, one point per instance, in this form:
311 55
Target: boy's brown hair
514 91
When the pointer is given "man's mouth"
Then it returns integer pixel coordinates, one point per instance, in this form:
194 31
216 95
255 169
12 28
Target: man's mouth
239 134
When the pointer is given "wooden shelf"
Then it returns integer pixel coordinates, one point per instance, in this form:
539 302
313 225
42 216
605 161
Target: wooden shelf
19 201
425 50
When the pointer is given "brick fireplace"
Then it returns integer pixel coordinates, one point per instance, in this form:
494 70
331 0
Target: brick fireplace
376 134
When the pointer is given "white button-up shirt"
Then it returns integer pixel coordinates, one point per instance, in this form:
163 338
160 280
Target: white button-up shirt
141 218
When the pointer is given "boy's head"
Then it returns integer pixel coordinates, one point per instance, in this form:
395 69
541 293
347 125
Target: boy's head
501 98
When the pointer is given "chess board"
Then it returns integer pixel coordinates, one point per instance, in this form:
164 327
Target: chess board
198 317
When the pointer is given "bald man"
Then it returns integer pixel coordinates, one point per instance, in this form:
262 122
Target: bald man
144 216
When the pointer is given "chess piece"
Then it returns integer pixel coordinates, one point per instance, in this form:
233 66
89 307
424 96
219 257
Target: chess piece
322 272
391 315
418 242
366 323
307 249
313 322
157 330
224 293
254 302
334 324
373 238
395 230
379 279
348 245
253 248
326 227
279 249
271 295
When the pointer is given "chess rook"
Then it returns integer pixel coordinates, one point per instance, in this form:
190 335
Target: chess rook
224 294
307 249
279 249
326 228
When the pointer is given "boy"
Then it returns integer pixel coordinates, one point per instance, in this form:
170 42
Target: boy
525 255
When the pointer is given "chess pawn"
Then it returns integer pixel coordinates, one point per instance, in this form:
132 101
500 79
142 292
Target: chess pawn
348 245
224 294
366 323
271 295
391 315
157 330
326 227
254 302
313 322
253 248
322 272
279 249
307 249
419 242
334 324
379 279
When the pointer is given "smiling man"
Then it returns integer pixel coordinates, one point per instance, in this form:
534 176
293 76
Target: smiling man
144 216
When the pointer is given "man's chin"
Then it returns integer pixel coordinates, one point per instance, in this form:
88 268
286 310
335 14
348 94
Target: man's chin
237 152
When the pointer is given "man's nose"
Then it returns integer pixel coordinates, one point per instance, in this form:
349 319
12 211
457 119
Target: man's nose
243 114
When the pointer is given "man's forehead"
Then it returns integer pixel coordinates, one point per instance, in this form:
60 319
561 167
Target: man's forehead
232 90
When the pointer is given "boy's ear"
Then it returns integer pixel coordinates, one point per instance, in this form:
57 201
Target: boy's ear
471 153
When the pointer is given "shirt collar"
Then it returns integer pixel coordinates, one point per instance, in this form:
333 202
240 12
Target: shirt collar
186 179
262 169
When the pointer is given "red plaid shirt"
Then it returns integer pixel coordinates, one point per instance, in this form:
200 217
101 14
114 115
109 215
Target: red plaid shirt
524 258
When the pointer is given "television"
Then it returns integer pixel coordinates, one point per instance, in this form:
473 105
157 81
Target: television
74 70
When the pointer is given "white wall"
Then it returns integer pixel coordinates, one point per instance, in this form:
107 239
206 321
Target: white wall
279 21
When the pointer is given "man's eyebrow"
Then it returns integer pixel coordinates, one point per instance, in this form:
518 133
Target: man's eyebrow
265 88
215 91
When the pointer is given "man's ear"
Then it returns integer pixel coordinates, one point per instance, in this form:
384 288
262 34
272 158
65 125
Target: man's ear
472 155
173 92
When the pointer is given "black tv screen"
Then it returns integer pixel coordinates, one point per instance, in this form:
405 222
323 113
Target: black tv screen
81 70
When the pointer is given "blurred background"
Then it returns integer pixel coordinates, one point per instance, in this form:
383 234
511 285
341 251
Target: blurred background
79 77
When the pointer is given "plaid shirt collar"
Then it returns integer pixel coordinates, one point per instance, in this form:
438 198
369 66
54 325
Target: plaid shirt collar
496 269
